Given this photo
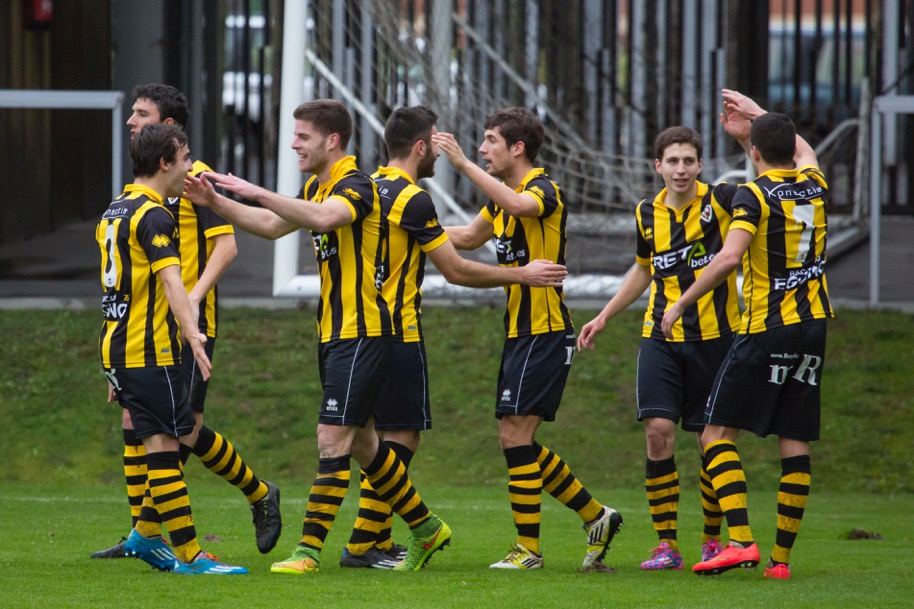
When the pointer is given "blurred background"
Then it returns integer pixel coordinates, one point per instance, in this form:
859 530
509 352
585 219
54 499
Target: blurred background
604 75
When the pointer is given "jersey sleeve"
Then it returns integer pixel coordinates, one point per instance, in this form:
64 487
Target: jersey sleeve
420 220
814 173
545 194
155 234
357 191
489 212
747 208
723 194
642 247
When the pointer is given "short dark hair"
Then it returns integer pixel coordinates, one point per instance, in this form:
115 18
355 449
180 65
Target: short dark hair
170 102
328 116
775 137
677 135
405 127
152 144
519 125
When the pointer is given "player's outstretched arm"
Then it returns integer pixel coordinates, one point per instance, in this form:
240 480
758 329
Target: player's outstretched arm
460 271
322 218
255 220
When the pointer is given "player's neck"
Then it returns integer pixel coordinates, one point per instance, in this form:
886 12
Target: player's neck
407 166
152 183
519 171
677 200
323 174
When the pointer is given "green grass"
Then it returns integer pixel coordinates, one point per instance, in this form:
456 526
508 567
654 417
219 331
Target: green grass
49 532
61 486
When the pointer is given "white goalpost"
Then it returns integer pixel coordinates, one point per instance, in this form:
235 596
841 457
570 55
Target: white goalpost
883 137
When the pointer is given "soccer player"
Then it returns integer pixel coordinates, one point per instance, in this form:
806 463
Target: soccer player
679 231
414 234
144 301
770 381
340 206
526 216
206 245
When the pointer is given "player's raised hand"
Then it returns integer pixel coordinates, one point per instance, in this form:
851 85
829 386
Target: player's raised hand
200 190
447 143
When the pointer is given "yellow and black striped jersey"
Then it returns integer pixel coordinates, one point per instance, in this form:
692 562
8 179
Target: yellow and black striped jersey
784 268
412 227
518 241
197 226
677 245
349 257
136 239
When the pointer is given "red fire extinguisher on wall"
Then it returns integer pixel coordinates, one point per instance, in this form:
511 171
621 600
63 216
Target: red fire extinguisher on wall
38 14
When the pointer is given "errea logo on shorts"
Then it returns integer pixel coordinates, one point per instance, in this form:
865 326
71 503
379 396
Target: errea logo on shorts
332 405
161 240
506 395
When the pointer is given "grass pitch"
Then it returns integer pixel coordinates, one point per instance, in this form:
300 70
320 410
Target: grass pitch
62 495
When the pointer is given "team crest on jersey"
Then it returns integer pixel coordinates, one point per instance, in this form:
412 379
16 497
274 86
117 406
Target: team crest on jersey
432 223
161 240
707 213
352 194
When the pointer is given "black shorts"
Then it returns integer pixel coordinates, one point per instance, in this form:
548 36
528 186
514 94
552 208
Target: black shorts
533 374
191 372
352 372
674 379
156 399
404 403
770 383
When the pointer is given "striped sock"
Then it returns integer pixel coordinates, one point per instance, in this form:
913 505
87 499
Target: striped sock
221 458
169 494
661 481
793 492
327 493
710 508
134 473
389 478
525 486
559 482
729 481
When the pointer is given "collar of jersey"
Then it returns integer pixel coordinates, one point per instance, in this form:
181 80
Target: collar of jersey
387 170
701 189
338 171
780 174
536 171
145 190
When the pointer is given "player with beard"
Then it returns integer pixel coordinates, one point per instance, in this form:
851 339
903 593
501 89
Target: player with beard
414 234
